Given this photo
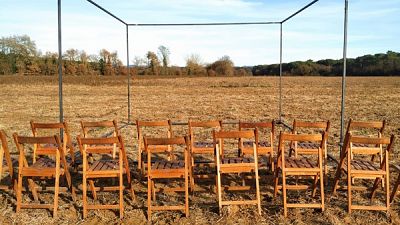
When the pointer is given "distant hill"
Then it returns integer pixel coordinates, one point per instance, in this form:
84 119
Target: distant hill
368 65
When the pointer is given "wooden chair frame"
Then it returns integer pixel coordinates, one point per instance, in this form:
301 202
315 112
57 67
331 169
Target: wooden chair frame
201 147
66 141
104 168
304 148
42 169
6 163
364 169
265 148
159 148
300 167
89 125
226 165
167 170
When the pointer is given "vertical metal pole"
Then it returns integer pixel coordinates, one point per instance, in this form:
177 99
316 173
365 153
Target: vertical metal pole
280 79
60 81
129 74
346 6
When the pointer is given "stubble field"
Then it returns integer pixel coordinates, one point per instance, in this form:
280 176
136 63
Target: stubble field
229 99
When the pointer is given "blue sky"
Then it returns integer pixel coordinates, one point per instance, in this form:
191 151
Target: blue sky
316 33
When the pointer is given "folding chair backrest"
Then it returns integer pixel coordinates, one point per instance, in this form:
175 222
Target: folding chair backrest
372 141
365 127
285 139
5 154
108 128
42 129
261 126
310 126
163 126
240 136
88 145
149 142
23 143
195 126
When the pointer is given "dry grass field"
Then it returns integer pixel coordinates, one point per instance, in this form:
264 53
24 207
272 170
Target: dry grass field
242 98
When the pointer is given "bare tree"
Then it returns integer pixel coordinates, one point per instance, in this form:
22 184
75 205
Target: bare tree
194 65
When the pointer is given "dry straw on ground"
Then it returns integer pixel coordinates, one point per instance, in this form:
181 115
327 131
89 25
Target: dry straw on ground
245 98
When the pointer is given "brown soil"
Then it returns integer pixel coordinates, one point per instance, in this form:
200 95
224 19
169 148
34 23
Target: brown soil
244 98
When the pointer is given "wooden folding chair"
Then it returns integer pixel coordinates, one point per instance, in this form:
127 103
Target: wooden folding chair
362 168
302 167
200 145
310 148
164 126
164 169
236 165
39 129
91 129
265 146
104 167
50 165
7 163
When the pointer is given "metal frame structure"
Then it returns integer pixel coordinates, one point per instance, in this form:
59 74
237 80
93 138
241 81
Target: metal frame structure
127 25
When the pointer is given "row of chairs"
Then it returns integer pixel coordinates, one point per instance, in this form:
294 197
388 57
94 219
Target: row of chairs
298 156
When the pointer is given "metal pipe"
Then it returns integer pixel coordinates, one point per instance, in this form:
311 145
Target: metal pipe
106 11
60 81
280 77
346 6
129 74
200 24
300 10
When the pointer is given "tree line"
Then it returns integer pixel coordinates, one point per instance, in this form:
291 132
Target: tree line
19 55
368 65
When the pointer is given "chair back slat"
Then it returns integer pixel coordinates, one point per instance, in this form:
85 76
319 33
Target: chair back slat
99 141
302 137
38 140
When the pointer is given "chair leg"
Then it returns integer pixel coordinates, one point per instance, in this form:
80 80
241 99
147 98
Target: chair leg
387 192
84 196
93 189
321 183
149 193
284 194
336 180
395 188
349 182
19 193
32 186
56 191
186 196
276 182
314 192
374 188
219 189
121 196
258 192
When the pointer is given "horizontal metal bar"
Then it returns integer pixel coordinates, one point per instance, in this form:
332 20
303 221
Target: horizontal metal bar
300 10
200 24
106 11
